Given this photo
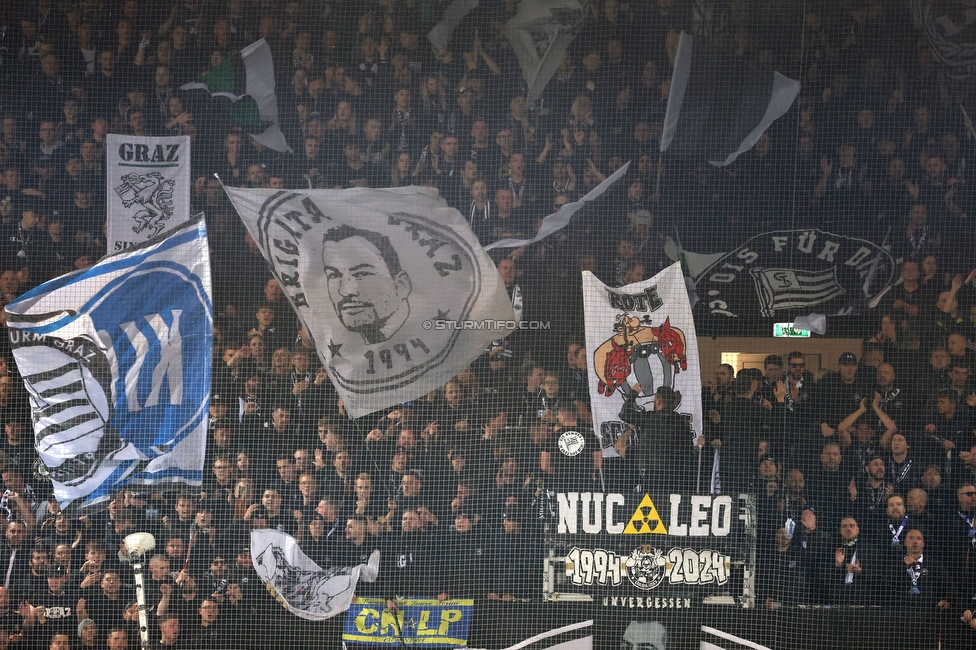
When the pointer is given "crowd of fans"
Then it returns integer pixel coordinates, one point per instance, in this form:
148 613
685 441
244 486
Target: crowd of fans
864 479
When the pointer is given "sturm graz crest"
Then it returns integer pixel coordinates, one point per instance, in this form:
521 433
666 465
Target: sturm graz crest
646 568
154 197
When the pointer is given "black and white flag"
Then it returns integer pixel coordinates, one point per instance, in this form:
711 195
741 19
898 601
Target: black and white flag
950 27
390 284
260 86
576 636
298 583
775 273
719 105
561 218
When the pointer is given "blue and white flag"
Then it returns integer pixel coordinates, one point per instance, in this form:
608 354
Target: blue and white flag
116 359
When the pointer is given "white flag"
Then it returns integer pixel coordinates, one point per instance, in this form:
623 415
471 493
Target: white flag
300 584
440 35
148 187
644 334
540 34
715 639
390 284
561 217
116 359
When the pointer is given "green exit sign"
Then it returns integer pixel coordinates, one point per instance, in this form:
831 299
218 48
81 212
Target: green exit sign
787 331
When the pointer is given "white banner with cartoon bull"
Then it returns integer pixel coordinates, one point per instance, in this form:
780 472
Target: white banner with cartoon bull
640 336
148 187
390 284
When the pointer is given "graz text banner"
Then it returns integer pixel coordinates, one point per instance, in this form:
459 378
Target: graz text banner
148 187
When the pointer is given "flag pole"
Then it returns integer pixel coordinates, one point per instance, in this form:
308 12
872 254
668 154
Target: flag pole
698 475
968 122
869 280
657 183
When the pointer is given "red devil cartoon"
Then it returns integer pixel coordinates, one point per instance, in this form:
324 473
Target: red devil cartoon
671 345
616 368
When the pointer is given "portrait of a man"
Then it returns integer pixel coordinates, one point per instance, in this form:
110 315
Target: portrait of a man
367 286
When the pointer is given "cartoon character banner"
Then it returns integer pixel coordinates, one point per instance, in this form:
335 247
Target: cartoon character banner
640 336
116 362
390 284
148 187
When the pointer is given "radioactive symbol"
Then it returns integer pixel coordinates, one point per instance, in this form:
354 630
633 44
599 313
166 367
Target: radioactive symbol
645 520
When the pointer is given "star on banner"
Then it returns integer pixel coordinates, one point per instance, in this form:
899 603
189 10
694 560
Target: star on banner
334 348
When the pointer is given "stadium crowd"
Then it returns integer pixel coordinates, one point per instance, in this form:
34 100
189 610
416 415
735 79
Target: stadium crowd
863 478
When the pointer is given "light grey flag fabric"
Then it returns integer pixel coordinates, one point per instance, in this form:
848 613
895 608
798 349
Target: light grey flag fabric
540 34
715 639
679 84
440 35
391 285
560 219
719 105
260 86
950 27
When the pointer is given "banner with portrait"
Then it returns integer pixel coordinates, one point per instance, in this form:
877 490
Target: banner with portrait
391 285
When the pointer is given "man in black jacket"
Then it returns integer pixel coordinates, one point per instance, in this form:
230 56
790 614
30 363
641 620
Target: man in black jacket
408 559
737 434
15 560
664 456
854 575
